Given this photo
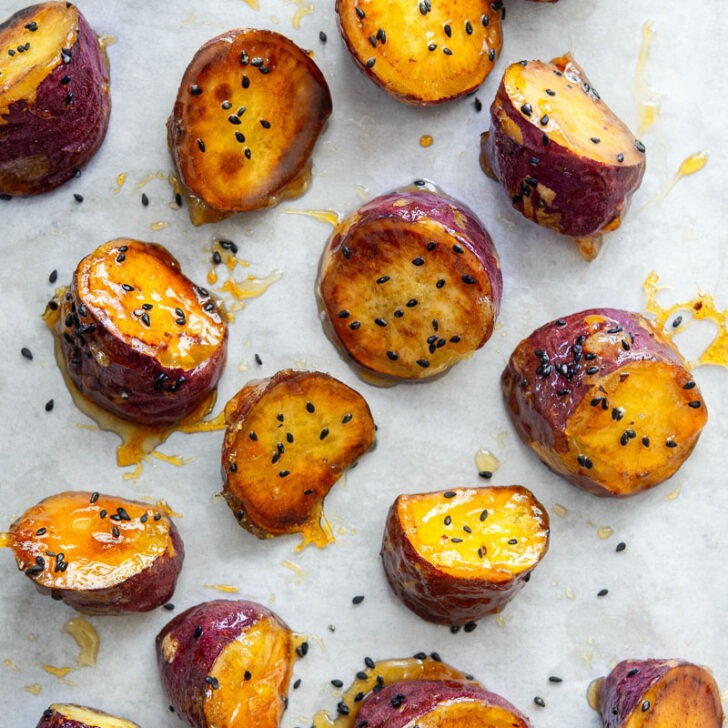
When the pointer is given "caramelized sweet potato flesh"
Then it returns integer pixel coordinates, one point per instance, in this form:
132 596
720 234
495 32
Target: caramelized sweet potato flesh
289 439
410 285
82 541
249 110
422 53
47 28
490 533
68 715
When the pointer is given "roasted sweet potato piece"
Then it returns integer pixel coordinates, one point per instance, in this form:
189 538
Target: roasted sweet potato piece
226 663
655 693
54 97
70 715
432 703
248 112
605 400
454 556
289 439
138 337
409 285
426 53
100 554
564 158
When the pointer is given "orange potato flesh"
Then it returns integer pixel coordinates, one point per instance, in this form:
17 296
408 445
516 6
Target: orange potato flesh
289 439
507 532
252 673
249 110
22 73
464 714
164 315
559 94
422 53
86 552
60 715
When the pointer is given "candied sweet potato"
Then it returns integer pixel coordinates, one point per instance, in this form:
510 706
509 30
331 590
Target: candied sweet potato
138 338
226 663
654 693
249 110
605 400
432 703
54 97
565 159
289 439
70 715
423 53
454 556
100 554
409 285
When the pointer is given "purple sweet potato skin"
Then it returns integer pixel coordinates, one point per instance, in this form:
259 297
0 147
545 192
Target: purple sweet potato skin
183 676
53 718
44 142
622 691
142 592
539 414
413 205
422 696
590 198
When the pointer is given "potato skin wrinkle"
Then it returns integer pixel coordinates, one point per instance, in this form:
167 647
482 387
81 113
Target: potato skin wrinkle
605 400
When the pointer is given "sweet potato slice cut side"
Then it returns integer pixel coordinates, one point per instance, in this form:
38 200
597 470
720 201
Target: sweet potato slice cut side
410 285
248 112
422 53
289 439
70 715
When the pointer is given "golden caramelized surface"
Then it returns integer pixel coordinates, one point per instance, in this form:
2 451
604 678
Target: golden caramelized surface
400 308
287 444
425 52
79 540
685 696
47 29
250 677
137 291
465 714
89 717
249 110
492 533
557 99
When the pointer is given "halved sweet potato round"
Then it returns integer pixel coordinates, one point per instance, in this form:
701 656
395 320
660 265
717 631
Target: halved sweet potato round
564 158
226 663
410 284
289 439
423 53
138 337
654 693
100 554
605 400
54 97
438 703
454 556
70 715
249 110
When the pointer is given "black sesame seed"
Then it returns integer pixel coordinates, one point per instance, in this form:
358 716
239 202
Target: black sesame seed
449 494
380 322
470 626
393 355
620 157
358 599
555 679
382 279
370 63
645 706
621 546
354 325
595 140
544 120
696 404
115 532
412 303
539 701
195 90
342 708
671 443
603 592
27 353
527 109
265 123
246 81
447 520
324 433
322 36
468 280
639 146
360 12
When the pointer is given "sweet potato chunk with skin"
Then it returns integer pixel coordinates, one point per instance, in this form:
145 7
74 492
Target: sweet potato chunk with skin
100 554
226 663
426 53
409 285
564 158
289 439
455 556
54 97
69 715
249 110
654 693
138 337
438 703
605 400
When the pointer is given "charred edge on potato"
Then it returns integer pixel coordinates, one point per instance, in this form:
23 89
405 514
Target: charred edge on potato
71 715
423 53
